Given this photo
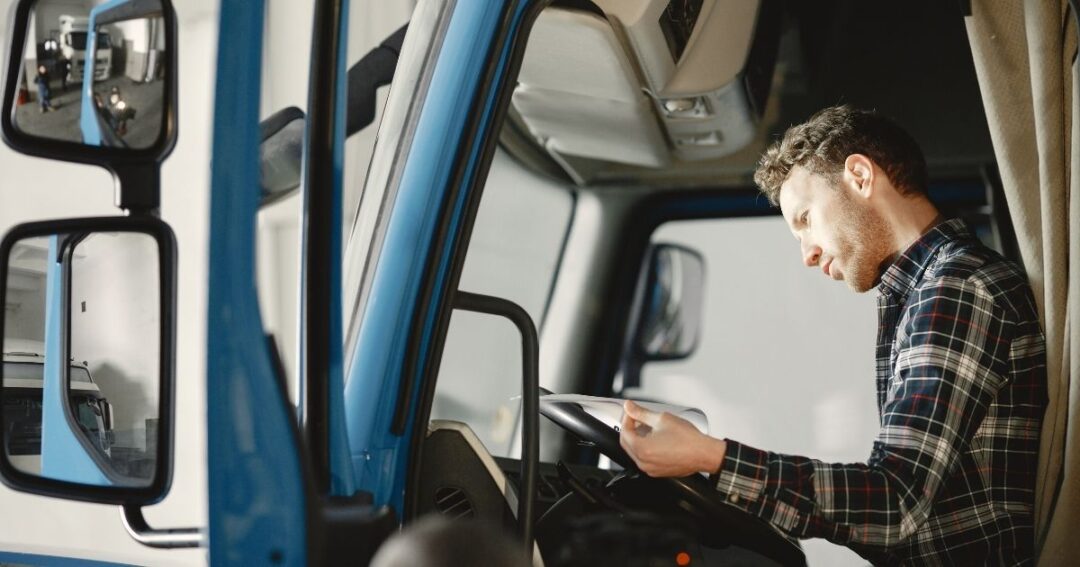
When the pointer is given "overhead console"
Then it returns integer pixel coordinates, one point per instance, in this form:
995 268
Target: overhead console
648 82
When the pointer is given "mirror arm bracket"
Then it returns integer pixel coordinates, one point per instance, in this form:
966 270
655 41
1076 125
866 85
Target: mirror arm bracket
138 187
172 538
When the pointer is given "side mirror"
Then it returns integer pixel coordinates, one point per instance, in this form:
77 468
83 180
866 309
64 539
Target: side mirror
95 84
99 290
668 303
281 154
670 318
109 424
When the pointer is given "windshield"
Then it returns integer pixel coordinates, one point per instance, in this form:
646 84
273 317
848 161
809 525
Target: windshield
22 422
78 40
34 371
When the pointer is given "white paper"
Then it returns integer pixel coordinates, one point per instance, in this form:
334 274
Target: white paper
610 410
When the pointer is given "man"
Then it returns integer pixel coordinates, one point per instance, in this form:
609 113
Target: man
44 92
961 376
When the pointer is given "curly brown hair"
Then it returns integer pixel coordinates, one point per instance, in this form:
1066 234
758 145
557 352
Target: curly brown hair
823 143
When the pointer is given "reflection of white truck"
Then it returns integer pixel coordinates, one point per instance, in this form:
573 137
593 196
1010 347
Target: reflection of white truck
73 34
22 413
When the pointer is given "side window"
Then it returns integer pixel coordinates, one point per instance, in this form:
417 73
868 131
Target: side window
285 84
776 339
514 254
785 357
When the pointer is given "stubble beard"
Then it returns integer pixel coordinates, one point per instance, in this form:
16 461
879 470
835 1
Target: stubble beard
864 241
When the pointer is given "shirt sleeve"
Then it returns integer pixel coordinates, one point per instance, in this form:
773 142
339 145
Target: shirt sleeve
951 360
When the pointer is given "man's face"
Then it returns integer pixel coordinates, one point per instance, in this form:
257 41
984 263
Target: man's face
837 230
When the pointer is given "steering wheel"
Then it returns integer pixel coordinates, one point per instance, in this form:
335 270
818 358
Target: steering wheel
694 493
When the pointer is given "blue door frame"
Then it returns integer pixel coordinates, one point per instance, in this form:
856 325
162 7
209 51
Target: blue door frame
257 500
63 457
257 486
412 250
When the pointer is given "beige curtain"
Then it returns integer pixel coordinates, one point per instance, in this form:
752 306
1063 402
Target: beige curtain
1025 58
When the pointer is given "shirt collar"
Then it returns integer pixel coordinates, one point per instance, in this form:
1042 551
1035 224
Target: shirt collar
906 271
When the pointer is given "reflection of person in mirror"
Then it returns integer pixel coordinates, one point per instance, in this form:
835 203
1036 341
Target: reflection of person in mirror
105 112
961 366
44 94
65 70
120 110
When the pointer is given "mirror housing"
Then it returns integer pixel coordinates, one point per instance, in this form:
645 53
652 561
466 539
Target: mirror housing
136 169
666 320
670 319
108 409
145 475
281 154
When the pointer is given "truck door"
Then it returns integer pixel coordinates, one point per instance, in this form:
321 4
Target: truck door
352 446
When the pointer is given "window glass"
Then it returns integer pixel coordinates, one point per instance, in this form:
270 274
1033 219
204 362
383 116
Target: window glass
22 422
785 356
513 254
286 65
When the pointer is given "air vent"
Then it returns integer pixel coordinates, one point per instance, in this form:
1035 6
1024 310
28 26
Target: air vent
453 502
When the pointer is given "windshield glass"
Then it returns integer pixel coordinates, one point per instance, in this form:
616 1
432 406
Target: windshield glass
22 422
33 371
78 40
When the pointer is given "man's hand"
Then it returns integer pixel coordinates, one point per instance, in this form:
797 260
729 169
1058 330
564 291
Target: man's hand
663 445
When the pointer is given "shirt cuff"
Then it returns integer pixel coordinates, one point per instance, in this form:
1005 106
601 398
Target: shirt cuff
743 474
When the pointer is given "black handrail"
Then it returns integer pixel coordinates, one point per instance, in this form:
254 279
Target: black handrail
530 399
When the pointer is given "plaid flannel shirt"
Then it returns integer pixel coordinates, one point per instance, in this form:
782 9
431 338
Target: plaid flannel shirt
961 383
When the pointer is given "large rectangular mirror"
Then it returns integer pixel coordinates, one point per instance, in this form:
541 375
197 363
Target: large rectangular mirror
93 73
86 363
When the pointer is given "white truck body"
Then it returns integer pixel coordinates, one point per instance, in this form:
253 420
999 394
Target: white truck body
73 34
28 391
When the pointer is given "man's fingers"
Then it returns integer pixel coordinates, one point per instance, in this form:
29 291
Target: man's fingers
627 434
646 416
628 425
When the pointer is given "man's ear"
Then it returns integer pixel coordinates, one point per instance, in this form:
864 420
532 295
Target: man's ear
859 175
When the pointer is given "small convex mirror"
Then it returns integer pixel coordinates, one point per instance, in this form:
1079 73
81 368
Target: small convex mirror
93 73
82 366
672 303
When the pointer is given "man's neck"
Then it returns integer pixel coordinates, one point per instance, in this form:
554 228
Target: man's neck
910 218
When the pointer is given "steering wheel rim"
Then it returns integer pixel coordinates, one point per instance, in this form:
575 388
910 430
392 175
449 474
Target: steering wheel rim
749 531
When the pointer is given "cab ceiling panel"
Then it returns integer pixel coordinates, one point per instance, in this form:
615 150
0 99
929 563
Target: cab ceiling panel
579 95
647 83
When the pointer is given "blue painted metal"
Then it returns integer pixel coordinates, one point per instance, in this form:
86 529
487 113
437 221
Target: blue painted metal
256 485
88 122
379 457
11 558
62 456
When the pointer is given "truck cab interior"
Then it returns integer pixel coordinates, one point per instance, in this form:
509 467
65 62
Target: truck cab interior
629 117
476 229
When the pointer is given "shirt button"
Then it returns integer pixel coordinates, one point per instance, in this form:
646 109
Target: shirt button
733 498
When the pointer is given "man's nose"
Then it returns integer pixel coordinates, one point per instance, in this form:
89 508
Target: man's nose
811 254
